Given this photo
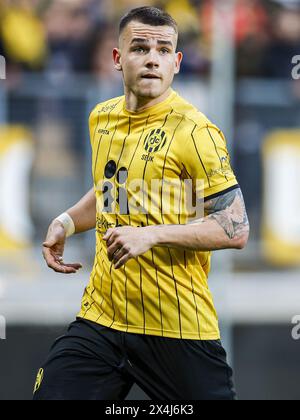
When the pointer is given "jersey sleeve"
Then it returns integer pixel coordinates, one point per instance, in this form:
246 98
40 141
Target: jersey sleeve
93 122
207 162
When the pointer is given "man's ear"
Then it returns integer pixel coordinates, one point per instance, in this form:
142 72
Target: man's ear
117 59
179 58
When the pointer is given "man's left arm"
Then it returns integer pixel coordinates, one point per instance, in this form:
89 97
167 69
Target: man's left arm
225 226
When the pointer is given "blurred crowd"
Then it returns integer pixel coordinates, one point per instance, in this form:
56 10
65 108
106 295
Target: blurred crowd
77 36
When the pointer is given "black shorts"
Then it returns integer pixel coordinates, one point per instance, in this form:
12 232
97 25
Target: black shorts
93 362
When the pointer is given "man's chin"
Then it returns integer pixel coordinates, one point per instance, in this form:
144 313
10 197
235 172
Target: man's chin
149 93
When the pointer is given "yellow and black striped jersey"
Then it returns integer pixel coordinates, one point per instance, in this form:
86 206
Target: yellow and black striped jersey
140 162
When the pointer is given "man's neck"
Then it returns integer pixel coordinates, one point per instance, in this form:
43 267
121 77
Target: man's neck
139 104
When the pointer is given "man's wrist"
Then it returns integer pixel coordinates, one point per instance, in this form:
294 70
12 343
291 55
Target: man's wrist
169 235
68 224
152 234
157 234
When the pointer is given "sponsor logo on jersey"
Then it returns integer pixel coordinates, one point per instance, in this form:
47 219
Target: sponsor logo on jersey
104 132
108 108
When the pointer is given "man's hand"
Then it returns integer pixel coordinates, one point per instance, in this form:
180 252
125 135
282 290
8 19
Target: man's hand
127 242
53 250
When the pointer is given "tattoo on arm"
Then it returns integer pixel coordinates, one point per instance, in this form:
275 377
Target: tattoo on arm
229 211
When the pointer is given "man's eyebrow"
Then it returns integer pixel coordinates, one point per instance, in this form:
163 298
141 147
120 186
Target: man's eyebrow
161 42
139 40
146 41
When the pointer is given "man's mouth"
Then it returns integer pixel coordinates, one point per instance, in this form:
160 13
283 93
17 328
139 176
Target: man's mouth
150 76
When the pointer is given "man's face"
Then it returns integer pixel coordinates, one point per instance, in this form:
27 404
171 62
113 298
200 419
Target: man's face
147 58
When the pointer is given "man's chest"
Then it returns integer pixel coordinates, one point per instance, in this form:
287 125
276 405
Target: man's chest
145 153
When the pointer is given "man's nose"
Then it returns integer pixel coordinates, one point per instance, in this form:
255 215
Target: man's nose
152 59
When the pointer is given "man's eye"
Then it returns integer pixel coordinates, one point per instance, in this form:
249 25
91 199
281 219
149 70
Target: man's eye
139 49
164 51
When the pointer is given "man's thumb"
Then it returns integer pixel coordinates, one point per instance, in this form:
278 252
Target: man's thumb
49 243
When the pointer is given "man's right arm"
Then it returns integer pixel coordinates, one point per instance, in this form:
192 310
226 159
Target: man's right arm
83 215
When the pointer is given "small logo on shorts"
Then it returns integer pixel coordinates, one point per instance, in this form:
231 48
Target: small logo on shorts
39 380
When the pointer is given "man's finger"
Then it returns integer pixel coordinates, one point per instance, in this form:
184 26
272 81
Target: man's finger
51 261
108 234
59 267
76 266
47 253
50 242
59 259
122 261
110 240
119 254
69 268
112 250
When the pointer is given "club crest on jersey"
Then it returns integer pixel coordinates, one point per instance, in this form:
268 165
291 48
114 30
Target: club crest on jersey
155 141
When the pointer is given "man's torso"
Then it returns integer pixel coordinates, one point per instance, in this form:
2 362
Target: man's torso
140 163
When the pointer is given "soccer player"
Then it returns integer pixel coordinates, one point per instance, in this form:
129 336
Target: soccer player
147 315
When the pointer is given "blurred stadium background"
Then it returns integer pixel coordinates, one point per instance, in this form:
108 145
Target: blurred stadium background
240 68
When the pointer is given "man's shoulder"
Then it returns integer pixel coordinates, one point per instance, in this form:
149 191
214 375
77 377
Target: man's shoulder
191 113
106 106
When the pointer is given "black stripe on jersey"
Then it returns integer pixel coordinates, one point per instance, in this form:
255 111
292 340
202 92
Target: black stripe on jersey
159 297
123 146
113 136
110 297
111 293
142 297
102 296
112 285
97 256
184 256
93 283
209 184
187 171
210 135
219 194
177 296
137 146
207 261
97 125
101 282
141 136
180 199
126 297
93 293
147 220
124 141
193 291
164 167
99 143
96 130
